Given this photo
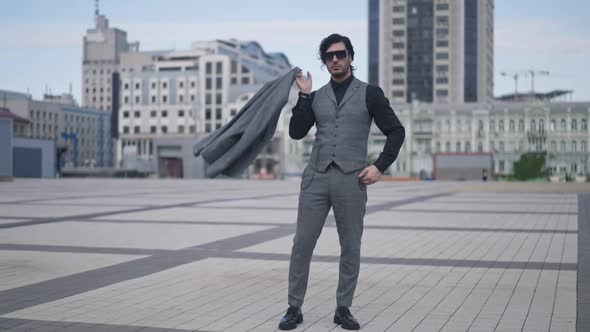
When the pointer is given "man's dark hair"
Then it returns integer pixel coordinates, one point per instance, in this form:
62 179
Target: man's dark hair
333 39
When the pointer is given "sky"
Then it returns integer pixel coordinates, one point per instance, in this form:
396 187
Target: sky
41 41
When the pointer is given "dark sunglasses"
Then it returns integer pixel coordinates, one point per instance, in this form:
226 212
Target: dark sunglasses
340 55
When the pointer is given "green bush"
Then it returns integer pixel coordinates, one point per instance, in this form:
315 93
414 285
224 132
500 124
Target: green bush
530 165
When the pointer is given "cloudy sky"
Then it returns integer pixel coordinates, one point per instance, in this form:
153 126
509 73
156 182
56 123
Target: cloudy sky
41 41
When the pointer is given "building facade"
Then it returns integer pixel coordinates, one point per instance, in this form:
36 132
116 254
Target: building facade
102 49
85 133
432 51
504 129
185 93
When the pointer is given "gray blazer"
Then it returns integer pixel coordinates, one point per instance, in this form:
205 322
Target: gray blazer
230 149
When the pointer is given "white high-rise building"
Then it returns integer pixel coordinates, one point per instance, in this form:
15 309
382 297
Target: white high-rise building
192 92
102 51
432 51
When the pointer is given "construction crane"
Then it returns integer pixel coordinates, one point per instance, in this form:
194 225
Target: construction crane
532 73
524 73
514 76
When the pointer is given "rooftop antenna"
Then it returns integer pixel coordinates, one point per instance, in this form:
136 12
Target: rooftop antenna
96 12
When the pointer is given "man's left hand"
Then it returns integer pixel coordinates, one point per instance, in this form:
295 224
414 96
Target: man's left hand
370 175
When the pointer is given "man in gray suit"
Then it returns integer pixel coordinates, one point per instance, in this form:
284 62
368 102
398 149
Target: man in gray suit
336 176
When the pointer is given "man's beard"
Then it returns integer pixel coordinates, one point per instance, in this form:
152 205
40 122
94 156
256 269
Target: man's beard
340 73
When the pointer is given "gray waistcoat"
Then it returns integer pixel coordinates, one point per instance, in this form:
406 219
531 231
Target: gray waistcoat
342 130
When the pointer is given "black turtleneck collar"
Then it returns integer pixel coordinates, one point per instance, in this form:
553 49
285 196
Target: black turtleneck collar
340 88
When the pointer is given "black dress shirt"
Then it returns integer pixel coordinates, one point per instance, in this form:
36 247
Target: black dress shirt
303 119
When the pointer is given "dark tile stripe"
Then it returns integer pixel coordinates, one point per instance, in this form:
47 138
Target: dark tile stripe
142 209
43 325
84 250
473 229
583 277
409 261
486 212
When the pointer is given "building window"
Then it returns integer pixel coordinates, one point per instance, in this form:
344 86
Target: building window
479 147
501 166
125 86
467 147
398 70
153 99
245 80
399 9
399 21
397 93
553 146
442 6
192 97
584 126
501 146
533 125
164 99
208 127
442 68
218 113
562 146
125 130
153 129
208 68
398 57
442 80
574 125
501 126
136 114
442 20
126 114
398 82
192 129
563 125
207 114
442 56
521 125
153 85
181 129
180 113
442 93
136 129
164 129
442 43
136 86
541 125
219 67
208 84
583 146
136 99
398 33
181 84
218 83
458 147
207 98
574 146
448 147
164 114
153 113
511 126
126 100
164 85
192 84
218 98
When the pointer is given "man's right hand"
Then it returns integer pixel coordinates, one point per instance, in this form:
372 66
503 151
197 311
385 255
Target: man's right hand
303 83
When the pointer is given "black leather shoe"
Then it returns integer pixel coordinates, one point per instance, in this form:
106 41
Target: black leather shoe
291 319
344 318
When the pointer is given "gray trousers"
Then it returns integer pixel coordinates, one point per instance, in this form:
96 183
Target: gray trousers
347 196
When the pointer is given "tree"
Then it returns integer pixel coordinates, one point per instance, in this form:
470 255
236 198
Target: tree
530 165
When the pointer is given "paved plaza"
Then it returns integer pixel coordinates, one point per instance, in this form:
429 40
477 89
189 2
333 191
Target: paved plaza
213 255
